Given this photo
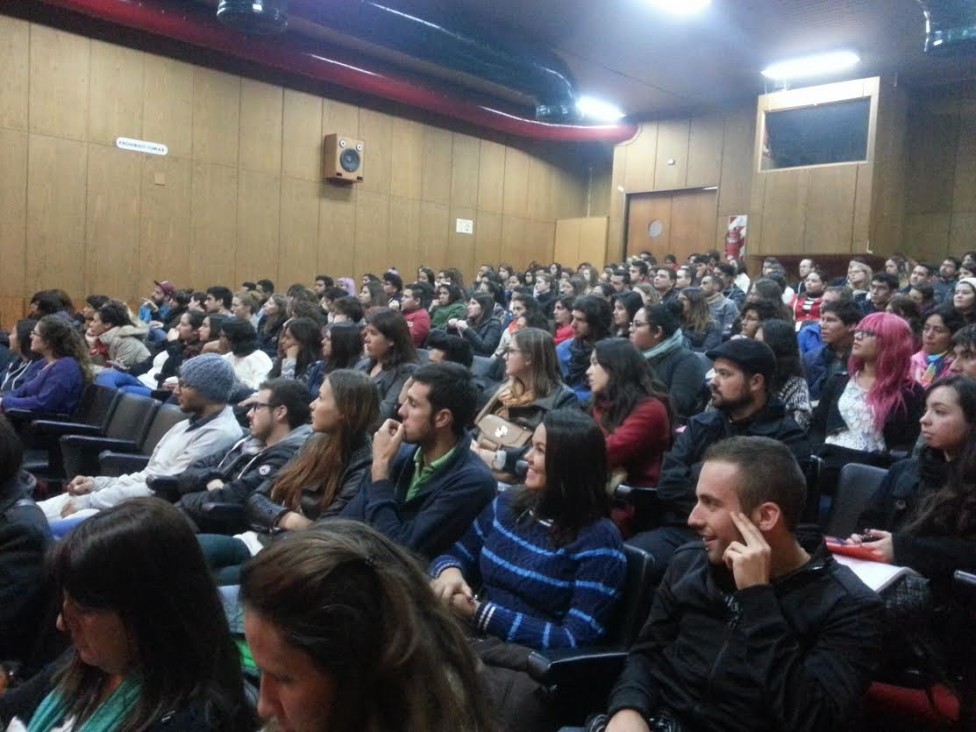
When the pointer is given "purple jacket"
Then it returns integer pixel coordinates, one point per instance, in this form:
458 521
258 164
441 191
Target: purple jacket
56 388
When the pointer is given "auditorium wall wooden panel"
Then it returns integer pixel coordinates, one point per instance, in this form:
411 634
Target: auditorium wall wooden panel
112 217
407 161
56 203
337 229
239 195
301 138
683 154
13 214
59 83
298 240
465 163
115 93
262 112
14 81
168 104
165 222
940 195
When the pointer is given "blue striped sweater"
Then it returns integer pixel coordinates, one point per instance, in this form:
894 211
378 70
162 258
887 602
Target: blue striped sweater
532 593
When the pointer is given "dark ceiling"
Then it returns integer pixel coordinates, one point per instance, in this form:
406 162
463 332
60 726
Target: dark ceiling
626 52
652 64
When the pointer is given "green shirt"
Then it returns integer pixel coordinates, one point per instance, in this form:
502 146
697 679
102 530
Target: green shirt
422 473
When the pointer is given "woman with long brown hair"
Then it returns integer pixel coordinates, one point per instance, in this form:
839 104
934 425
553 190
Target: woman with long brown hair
316 483
59 383
390 357
533 388
150 645
349 636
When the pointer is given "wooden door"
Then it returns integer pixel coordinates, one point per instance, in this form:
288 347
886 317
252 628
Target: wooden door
677 222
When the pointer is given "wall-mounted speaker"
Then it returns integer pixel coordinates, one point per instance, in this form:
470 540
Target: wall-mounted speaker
343 158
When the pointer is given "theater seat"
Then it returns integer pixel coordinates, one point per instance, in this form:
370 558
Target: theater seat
855 487
890 708
579 679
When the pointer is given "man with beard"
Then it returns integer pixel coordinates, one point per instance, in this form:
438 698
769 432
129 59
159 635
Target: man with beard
743 406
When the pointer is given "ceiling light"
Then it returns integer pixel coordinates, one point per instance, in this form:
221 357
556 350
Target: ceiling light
680 7
807 66
594 109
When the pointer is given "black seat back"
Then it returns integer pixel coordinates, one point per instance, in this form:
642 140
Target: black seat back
97 405
855 487
166 416
132 418
635 604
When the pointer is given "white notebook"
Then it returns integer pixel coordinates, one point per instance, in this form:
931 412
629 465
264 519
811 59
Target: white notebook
876 575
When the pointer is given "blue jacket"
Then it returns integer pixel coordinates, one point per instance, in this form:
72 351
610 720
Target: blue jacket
55 389
439 514
564 352
819 364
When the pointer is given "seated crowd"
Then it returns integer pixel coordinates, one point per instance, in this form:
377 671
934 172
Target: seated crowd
409 488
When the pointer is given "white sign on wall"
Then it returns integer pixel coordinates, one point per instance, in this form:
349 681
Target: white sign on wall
153 148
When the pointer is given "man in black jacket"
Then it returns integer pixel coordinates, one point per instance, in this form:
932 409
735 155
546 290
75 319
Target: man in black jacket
24 538
743 370
750 630
279 427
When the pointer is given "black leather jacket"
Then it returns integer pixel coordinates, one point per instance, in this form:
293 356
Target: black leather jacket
791 656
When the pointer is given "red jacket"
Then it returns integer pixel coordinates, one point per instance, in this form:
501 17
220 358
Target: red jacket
639 443
806 308
419 323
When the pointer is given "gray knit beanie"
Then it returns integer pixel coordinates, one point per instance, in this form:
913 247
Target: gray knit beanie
211 375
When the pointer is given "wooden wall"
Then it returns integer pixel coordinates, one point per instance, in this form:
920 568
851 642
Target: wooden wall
940 206
841 208
239 195
690 153
581 240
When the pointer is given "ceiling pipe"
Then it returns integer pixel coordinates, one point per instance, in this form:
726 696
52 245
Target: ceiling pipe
451 41
188 25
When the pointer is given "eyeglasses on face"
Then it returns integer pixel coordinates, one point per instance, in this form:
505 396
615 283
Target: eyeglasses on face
865 333
260 405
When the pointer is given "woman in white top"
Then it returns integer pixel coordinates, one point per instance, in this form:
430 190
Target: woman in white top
251 364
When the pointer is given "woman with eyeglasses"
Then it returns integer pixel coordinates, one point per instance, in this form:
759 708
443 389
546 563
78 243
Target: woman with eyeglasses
26 363
873 407
656 332
533 387
57 386
150 645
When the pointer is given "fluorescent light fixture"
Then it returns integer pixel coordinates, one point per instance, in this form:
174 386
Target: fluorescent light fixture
680 7
806 66
597 110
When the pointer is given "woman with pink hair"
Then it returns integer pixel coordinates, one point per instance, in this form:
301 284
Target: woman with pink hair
872 410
